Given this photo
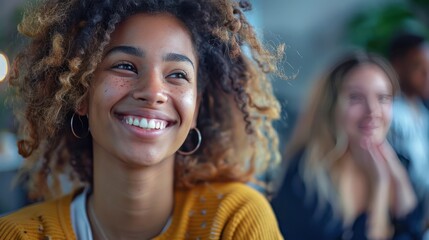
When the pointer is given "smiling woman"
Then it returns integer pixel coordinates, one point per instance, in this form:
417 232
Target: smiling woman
113 95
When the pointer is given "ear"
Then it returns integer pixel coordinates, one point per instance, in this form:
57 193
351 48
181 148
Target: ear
197 110
82 108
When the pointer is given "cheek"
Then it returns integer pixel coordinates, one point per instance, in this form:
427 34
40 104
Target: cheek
109 90
116 87
387 113
352 114
349 118
187 100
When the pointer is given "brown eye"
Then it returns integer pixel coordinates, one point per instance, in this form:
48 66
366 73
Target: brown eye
125 66
179 76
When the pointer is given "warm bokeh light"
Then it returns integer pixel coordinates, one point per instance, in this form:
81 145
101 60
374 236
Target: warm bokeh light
4 66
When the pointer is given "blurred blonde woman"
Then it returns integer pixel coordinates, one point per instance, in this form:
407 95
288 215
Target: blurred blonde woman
343 180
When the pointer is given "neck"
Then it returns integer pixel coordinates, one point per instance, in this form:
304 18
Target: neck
362 162
131 202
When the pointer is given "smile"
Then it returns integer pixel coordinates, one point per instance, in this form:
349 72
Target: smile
145 123
368 127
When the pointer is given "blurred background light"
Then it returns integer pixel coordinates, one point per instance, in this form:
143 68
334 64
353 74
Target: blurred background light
4 66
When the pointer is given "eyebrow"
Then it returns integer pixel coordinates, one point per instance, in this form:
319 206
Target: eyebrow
138 52
175 57
127 50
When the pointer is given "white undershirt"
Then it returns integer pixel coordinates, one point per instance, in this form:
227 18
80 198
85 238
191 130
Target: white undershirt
79 217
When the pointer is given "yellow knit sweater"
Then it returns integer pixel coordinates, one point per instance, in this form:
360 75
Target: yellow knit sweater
210 211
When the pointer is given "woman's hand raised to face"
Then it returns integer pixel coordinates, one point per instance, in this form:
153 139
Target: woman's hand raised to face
389 172
375 163
404 198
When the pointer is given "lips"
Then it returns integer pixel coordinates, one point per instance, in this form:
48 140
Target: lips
368 129
368 126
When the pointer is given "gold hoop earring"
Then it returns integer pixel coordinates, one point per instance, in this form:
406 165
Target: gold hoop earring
82 126
196 147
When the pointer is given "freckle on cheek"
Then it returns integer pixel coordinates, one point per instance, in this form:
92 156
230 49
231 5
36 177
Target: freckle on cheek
120 82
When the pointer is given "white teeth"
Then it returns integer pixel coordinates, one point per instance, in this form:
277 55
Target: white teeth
136 122
151 124
145 123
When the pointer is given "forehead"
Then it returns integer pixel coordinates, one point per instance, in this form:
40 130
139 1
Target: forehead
161 31
367 76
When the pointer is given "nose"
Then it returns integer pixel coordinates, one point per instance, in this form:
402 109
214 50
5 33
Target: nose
150 89
372 106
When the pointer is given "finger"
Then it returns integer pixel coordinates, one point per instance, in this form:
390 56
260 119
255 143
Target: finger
375 152
378 161
388 151
394 164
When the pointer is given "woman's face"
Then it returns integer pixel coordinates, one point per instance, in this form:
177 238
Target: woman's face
364 104
414 72
143 96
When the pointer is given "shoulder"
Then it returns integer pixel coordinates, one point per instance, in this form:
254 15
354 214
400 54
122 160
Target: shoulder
245 201
40 220
239 211
235 194
234 188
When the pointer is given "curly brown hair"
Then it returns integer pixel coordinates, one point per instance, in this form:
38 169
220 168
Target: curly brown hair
53 73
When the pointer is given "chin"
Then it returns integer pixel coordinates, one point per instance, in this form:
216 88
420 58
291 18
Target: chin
378 140
144 164
375 139
149 161
146 161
